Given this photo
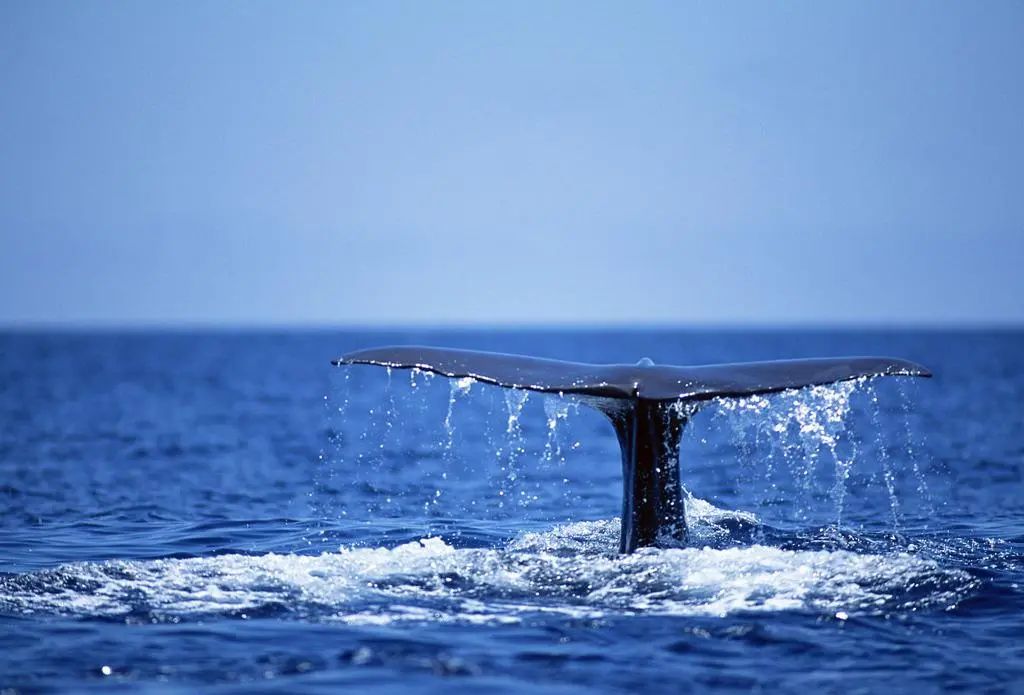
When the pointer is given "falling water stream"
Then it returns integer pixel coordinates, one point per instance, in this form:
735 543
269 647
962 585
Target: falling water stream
796 444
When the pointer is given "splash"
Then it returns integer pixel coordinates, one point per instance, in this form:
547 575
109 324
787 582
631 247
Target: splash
457 388
510 454
324 479
553 458
419 376
571 570
556 415
888 474
391 412
912 453
802 426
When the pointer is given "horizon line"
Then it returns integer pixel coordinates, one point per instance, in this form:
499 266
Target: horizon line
134 326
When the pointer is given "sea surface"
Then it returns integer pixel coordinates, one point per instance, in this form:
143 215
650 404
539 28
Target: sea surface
227 512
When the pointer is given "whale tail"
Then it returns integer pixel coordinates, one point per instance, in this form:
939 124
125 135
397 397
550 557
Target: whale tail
647 404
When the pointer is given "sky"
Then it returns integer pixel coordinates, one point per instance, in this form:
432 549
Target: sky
369 163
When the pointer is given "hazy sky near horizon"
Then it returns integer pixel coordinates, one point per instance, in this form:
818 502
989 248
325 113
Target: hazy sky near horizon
464 162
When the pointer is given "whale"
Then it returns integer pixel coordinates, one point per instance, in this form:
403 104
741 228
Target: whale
647 404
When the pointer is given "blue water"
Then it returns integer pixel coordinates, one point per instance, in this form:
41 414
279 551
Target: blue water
226 512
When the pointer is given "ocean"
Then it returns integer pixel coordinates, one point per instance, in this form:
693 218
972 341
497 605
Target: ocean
224 511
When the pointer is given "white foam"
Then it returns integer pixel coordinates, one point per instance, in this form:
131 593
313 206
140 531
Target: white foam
572 570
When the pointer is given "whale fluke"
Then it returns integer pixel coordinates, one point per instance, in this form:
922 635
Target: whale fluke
648 404
644 380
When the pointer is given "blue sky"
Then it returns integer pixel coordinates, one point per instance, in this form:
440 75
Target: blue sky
522 162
